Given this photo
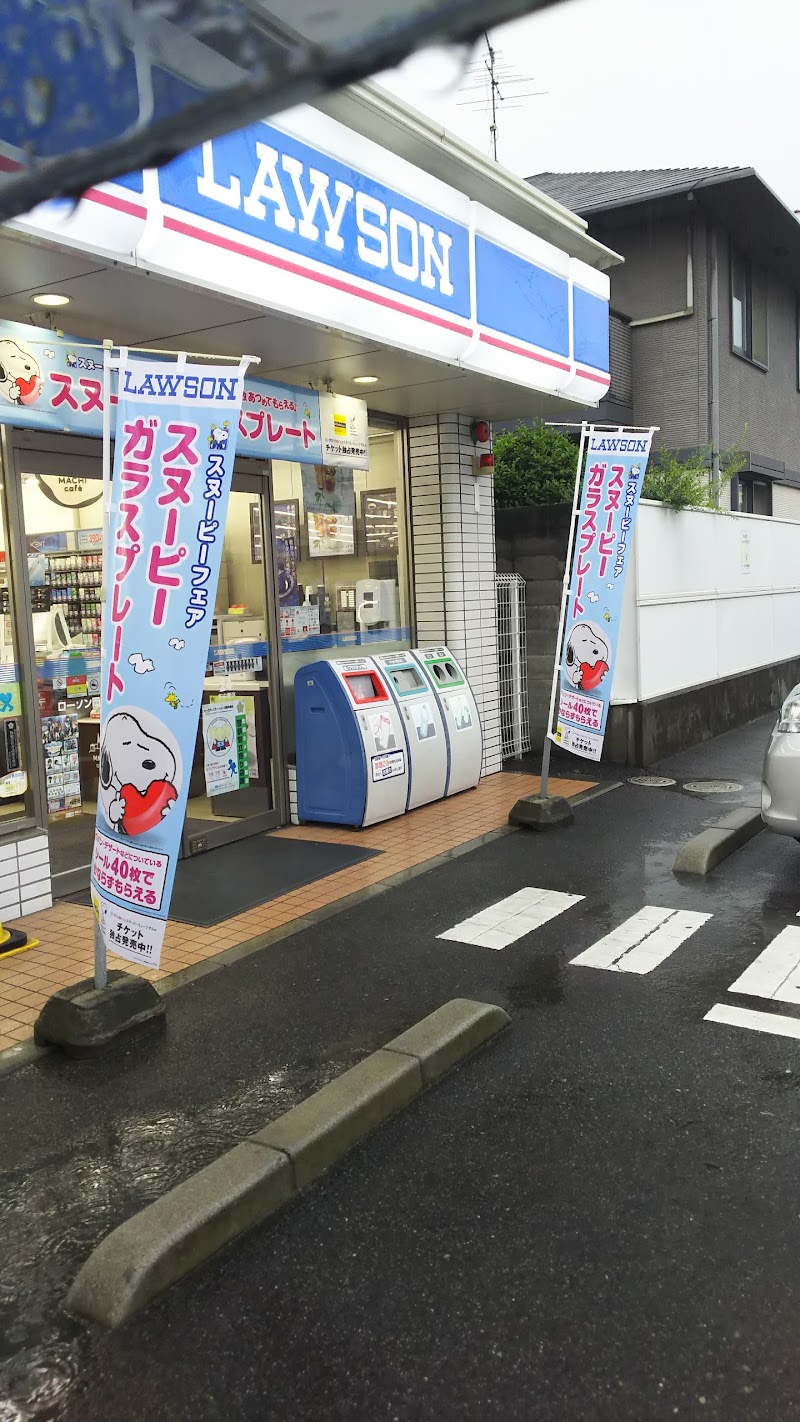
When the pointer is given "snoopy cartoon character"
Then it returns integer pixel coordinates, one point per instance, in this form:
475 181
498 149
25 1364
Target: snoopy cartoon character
218 439
138 771
585 657
20 374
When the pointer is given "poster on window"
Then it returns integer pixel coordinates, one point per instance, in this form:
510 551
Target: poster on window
616 461
225 757
345 430
61 765
329 501
175 445
379 512
287 539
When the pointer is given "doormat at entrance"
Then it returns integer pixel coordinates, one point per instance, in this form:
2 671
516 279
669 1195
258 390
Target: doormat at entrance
71 841
214 886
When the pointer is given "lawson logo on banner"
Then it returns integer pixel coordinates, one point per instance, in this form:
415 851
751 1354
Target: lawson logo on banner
614 474
175 445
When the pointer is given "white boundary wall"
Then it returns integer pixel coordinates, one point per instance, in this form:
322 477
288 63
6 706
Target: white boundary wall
709 595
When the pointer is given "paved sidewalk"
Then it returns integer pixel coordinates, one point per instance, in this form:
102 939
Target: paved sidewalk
65 952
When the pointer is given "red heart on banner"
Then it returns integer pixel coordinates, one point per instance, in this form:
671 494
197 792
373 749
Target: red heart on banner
29 389
591 677
145 810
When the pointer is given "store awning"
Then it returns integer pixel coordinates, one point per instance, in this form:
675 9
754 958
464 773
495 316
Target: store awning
331 259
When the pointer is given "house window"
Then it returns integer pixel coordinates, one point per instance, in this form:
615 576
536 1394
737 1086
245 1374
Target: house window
755 496
748 310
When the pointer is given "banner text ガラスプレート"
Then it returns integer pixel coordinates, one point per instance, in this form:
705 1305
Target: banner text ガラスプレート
612 484
175 445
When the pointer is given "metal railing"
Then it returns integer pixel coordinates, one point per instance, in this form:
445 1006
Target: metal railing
513 659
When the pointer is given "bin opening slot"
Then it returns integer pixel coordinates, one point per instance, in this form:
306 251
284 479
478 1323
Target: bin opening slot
406 678
365 686
445 671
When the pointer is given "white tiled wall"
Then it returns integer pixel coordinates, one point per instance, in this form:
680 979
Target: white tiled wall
24 877
454 561
293 815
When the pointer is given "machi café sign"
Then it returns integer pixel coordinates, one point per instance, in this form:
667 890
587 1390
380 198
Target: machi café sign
69 492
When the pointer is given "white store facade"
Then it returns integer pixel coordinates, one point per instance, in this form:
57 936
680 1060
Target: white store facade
355 248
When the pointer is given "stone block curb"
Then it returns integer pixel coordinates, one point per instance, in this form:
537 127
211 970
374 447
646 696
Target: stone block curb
166 1240
326 1125
706 850
449 1034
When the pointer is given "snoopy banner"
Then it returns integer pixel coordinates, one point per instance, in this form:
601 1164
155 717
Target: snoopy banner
53 382
175 444
614 472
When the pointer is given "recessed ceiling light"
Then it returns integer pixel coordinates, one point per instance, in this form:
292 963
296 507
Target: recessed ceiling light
365 379
51 298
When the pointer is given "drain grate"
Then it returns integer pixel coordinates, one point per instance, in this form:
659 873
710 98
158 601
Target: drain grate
712 787
653 782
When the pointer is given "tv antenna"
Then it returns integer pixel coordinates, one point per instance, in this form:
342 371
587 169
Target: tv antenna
492 83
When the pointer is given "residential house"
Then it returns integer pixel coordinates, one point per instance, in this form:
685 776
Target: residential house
704 342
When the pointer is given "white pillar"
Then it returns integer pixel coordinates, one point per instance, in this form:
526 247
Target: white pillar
454 561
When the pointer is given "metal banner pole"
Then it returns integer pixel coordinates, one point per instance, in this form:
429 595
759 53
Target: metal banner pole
585 429
514 593
100 957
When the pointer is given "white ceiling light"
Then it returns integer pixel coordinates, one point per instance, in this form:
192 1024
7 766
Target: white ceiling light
51 298
365 379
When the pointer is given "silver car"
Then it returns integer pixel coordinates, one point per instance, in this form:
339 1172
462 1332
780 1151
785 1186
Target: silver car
780 785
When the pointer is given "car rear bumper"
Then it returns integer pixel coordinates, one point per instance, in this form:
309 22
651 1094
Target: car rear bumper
780 788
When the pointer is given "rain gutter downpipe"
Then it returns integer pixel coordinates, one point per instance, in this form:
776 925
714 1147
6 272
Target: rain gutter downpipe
713 361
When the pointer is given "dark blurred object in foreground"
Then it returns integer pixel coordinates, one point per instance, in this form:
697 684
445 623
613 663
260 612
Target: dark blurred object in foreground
94 89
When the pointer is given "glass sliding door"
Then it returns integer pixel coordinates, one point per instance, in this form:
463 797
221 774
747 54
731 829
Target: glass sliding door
242 682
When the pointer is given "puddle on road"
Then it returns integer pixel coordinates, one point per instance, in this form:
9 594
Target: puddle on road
542 981
52 1216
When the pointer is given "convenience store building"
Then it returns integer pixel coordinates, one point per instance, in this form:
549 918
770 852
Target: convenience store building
354 248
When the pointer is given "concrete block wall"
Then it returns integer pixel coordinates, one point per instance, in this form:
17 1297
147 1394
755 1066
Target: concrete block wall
454 561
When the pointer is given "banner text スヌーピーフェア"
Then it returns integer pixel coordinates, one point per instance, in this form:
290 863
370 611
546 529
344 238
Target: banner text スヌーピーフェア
612 485
175 445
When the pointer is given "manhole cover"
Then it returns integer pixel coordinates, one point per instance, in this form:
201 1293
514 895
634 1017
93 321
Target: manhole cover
712 787
653 782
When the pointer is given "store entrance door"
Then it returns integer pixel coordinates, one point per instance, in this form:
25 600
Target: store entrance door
61 487
244 668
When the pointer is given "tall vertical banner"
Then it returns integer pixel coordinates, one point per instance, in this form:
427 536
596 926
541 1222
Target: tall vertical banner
615 467
173 462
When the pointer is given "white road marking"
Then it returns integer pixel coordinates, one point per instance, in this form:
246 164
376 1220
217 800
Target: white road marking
512 918
642 941
776 972
756 1021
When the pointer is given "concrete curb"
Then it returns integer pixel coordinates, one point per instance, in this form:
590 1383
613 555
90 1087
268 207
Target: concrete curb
706 850
166 1240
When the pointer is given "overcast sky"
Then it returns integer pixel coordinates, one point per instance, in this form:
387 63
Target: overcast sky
641 84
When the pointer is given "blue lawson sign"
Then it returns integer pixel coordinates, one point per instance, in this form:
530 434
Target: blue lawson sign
175 446
265 184
612 486
50 382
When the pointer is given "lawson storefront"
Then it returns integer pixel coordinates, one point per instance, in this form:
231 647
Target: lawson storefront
347 269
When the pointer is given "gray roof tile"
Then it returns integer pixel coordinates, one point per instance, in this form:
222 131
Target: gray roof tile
592 192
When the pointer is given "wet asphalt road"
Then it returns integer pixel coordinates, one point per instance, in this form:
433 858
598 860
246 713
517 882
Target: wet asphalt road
598 1218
